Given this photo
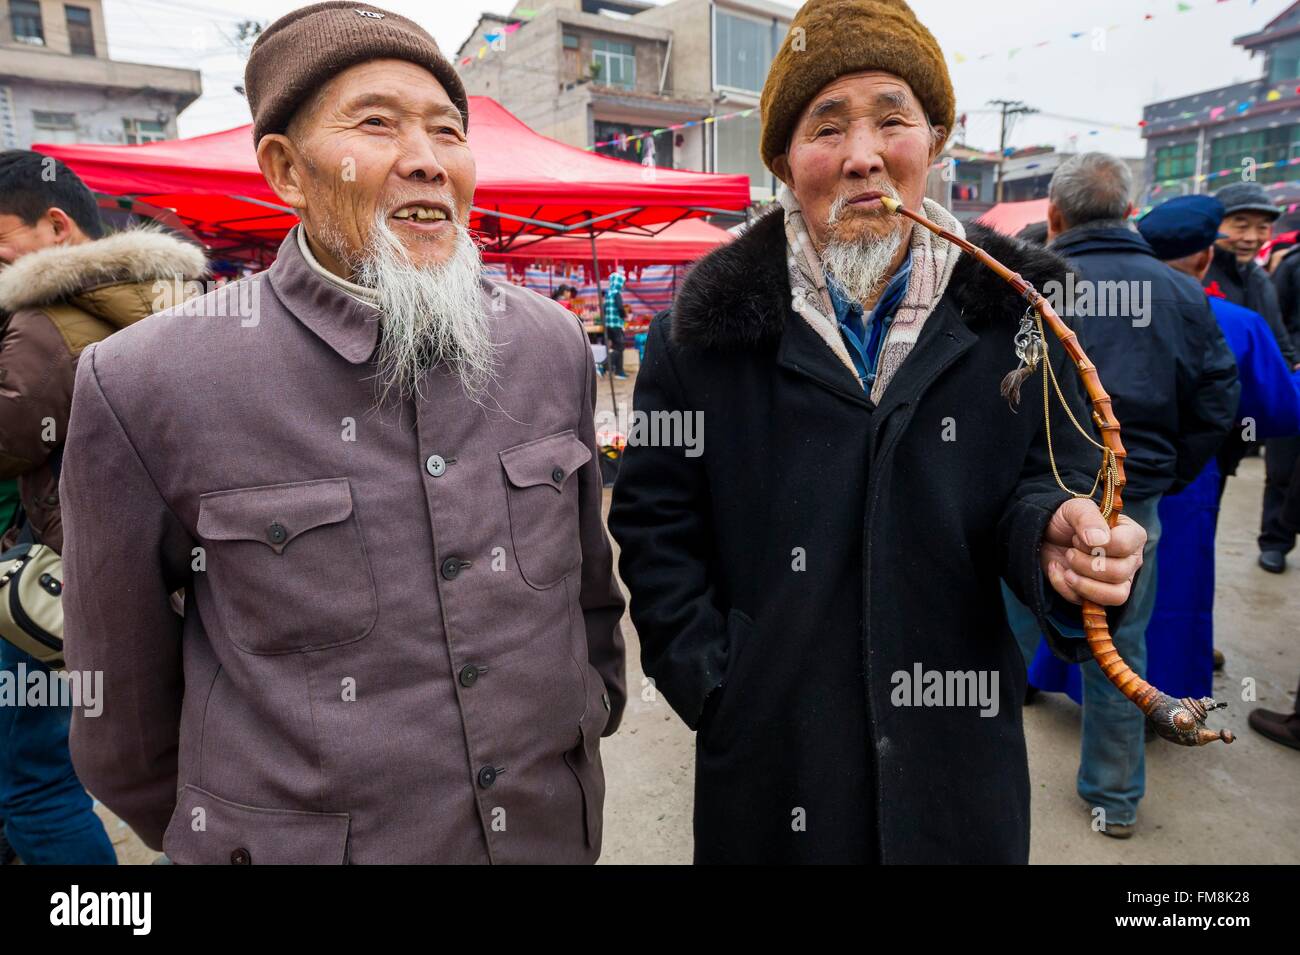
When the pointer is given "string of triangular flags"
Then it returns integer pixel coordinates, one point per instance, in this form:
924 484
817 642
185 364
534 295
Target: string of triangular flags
633 140
1182 6
494 36
1159 186
1228 111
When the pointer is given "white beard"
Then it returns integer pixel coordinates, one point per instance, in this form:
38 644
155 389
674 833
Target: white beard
430 314
861 267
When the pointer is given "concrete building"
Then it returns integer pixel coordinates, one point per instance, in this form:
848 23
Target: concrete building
58 85
1204 141
1027 172
963 181
591 71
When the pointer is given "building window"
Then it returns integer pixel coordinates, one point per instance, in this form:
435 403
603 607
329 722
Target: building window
617 62
144 131
81 35
743 50
623 146
736 148
1176 162
54 127
570 41
1240 152
25 17
1284 61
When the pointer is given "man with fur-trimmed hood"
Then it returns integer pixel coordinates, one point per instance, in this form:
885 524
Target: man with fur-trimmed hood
62 286
817 593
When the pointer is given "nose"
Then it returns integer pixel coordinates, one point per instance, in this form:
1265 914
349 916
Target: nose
419 159
865 158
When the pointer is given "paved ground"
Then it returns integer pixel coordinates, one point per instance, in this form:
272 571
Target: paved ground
1217 804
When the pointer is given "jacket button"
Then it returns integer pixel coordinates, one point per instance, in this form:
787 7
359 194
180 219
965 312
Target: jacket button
487 776
241 857
557 475
468 675
52 499
276 533
435 465
451 568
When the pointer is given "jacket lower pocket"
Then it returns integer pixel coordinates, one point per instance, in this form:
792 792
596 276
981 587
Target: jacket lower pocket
208 830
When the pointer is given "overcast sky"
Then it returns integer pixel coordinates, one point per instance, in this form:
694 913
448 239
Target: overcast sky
1139 62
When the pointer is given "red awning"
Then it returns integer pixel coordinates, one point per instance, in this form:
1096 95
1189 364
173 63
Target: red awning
527 185
680 242
1010 217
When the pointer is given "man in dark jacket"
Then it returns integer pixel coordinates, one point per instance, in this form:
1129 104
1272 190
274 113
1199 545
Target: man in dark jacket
62 286
1173 381
1248 218
1282 459
1235 275
817 592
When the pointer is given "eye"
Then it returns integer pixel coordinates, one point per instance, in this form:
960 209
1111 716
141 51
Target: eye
824 130
373 121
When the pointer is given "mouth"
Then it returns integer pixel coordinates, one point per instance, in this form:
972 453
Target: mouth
866 199
423 216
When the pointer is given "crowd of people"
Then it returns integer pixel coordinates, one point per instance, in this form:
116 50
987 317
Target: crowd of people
1199 374
340 562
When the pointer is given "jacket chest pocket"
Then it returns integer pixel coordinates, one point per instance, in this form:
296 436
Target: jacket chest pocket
542 491
287 565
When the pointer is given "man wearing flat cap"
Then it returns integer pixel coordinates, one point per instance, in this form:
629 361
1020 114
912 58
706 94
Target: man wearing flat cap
1180 639
817 593
377 489
1249 214
1248 217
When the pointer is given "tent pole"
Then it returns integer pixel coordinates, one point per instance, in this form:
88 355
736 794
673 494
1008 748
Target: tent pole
600 305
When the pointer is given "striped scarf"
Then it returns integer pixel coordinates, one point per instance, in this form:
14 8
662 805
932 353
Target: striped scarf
933 260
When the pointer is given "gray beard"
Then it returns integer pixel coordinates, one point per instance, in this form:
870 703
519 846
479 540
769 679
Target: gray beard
430 315
861 268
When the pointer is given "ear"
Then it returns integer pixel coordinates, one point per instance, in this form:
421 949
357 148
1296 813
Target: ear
1202 261
940 140
282 166
63 226
781 166
1055 221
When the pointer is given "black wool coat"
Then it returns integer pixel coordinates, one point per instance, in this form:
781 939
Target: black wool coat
820 546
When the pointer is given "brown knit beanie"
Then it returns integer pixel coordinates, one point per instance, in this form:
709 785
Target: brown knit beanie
829 38
299 52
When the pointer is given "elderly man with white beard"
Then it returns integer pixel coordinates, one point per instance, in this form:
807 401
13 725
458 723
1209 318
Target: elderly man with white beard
817 594
340 555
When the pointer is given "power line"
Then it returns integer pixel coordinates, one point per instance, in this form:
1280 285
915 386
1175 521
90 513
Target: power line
1010 110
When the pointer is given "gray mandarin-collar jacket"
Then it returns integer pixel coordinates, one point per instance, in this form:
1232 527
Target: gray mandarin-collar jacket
401 636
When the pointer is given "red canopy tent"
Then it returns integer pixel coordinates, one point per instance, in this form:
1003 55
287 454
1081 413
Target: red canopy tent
676 244
528 186
1010 217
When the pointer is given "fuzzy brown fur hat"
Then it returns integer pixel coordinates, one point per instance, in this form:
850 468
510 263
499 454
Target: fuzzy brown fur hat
829 38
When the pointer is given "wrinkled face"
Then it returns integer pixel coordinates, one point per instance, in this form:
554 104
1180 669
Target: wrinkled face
862 135
1245 233
17 238
382 138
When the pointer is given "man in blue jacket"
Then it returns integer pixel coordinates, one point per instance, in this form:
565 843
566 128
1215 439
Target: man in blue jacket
1180 639
1249 214
1173 382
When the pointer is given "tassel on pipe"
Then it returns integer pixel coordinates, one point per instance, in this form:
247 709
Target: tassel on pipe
1179 721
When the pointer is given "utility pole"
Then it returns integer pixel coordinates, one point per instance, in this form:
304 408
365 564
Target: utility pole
1009 108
